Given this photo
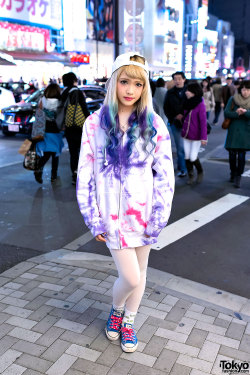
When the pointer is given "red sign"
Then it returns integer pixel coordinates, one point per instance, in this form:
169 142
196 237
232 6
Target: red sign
79 58
21 37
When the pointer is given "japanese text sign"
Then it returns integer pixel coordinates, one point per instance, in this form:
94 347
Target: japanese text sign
40 12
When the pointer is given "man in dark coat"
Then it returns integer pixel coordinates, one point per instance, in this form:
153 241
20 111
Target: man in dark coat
227 91
173 108
73 134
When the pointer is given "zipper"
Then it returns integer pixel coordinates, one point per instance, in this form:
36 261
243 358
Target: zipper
189 119
120 195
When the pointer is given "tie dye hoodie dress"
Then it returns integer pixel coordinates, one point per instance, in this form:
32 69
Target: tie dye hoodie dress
129 200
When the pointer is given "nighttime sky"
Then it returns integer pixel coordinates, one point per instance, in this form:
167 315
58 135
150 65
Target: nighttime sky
237 12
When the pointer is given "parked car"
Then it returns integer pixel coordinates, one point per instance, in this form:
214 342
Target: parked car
21 90
6 99
20 117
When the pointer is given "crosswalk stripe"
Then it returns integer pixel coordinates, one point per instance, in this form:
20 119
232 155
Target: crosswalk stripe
197 219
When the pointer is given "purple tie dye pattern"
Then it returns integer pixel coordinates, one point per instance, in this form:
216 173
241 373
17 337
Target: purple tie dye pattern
131 197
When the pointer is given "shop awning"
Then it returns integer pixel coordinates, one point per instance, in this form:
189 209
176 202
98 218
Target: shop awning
6 59
47 57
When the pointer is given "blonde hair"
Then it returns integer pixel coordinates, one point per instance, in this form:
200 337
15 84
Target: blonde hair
134 72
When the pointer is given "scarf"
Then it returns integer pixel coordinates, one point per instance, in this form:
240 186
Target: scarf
191 103
242 102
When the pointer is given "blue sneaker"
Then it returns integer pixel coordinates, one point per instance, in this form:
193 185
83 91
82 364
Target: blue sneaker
129 341
114 323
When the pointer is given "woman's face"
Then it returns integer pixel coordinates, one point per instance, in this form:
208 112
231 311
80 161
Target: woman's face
245 92
205 83
189 94
129 90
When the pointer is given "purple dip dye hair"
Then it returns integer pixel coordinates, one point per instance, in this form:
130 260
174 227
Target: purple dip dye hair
110 123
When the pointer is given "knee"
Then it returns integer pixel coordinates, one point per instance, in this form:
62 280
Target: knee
133 282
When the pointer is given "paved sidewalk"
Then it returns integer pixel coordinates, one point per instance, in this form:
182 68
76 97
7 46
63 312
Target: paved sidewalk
53 309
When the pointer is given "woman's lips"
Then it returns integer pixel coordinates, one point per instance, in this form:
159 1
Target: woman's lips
128 98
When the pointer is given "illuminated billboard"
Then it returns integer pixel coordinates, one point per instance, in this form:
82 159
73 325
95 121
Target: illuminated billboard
42 12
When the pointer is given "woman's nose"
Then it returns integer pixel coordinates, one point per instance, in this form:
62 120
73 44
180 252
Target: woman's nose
130 88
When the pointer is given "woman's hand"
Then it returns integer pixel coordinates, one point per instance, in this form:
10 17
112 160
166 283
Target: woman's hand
204 143
101 237
241 111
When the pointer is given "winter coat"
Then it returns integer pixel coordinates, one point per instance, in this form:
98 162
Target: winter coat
159 97
129 201
53 138
217 90
173 105
209 100
238 134
226 93
195 123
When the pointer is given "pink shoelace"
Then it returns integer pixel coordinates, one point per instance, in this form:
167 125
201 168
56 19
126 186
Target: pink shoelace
128 334
115 322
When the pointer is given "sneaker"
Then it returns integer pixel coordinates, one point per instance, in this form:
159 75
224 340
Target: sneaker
114 323
181 174
129 341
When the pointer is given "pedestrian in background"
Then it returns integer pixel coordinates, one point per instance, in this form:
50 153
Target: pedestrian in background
76 112
238 134
217 90
159 97
194 131
227 91
125 185
52 144
208 96
173 108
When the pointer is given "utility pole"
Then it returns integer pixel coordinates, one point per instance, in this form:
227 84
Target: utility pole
116 28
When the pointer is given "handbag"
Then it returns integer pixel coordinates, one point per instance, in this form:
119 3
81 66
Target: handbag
74 114
226 123
31 159
38 128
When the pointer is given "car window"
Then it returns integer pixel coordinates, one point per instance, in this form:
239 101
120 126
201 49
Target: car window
94 94
34 97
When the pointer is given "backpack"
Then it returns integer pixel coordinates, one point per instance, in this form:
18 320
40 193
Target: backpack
74 114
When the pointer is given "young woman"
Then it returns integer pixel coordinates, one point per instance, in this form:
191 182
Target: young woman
52 144
125 185
194 130
238 139
208 96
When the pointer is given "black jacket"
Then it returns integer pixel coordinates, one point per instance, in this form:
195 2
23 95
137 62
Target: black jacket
173 104
73 99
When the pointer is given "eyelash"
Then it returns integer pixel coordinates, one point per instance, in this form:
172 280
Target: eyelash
123 82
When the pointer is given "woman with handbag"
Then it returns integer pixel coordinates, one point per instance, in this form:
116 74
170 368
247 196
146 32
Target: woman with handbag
52 143
238 135
194 130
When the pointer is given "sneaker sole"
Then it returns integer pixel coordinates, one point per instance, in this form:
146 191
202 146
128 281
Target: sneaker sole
110 337
129 350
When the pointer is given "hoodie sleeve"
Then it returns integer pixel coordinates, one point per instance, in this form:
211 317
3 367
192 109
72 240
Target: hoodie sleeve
86 185
163 181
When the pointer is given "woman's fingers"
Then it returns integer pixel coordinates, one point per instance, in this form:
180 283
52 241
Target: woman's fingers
100 237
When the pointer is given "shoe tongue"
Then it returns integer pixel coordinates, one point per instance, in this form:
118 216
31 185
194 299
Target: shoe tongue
127 325
117 313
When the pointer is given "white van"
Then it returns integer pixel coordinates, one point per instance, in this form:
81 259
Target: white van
6 99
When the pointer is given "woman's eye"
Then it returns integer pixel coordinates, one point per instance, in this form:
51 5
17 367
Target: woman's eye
123 82
139 84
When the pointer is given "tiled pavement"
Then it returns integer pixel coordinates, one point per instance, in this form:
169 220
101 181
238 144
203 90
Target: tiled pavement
53 310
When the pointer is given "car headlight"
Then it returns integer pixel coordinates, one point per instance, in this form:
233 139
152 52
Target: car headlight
33 119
